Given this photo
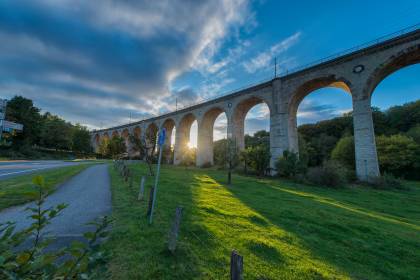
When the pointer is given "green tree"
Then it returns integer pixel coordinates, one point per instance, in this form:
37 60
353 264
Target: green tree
259 158
116 147
56 133
22 110
398 154
81 139
414 133
103 147
344 152
289 165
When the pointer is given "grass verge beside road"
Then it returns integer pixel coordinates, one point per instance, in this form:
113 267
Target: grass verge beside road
283 230
19 190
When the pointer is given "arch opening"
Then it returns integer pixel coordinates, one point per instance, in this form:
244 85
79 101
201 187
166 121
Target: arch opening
186 140
213 126
319 116
168 148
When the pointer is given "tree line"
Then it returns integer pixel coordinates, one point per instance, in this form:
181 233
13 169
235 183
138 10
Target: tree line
41 131
397 138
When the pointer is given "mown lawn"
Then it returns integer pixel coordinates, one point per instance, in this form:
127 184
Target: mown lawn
18 190
283 230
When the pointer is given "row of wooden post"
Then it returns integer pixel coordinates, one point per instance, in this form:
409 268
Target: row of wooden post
236 260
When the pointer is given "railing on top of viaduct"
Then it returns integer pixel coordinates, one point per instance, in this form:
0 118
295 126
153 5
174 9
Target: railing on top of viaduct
294 70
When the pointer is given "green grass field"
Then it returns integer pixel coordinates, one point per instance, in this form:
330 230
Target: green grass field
18 190
283 230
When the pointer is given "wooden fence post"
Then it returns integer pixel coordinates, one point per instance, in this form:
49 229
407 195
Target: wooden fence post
141 191
236 266
173 234
149 208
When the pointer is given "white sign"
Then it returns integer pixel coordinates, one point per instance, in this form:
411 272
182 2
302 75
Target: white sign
9 126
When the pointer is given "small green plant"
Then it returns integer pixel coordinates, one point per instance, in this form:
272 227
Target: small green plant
330 174
33 261
289 165
386 181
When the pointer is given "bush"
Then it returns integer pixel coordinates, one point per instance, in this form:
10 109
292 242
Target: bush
331 174
386 181
398 155
344 152
289 165
36 261
258 158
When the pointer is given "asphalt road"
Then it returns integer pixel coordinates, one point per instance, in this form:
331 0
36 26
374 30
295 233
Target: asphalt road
88 196
15 168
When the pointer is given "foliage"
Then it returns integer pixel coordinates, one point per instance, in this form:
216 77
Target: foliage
145 147
344 152
386 181
259 159
330 174
116 147
282 229
414 133
44 130
398 155
226 150
22 110
289 165
19 261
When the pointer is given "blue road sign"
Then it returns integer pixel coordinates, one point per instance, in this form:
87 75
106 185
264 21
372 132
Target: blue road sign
162 136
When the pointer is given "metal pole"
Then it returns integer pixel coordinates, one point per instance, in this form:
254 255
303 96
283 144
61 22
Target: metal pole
156 184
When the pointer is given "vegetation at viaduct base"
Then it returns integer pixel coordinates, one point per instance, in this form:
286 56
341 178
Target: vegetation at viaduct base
44 135
326 148
284 230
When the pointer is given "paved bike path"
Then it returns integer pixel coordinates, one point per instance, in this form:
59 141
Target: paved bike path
88 196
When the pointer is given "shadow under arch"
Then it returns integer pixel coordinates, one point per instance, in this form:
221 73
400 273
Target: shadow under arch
304 90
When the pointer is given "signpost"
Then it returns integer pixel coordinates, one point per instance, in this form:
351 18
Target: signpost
161 141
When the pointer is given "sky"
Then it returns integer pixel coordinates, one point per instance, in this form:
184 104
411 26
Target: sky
106 63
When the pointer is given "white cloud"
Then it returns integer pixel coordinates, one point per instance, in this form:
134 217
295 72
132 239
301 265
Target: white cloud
263 59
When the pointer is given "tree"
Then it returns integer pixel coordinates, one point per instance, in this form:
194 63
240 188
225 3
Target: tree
399 155
145 147
116 147
289 165
259 158
22 110
55 133
103 147
81 139
344 152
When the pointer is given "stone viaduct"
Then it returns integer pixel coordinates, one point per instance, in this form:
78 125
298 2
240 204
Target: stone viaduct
357 72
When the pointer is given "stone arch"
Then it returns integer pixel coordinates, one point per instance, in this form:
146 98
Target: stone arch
151 133
105 136
300 93
137 132
126 135
115 133
404 58
238 118
169 125
205 136
183 136
97 138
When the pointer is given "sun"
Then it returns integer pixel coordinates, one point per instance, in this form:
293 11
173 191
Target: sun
190 145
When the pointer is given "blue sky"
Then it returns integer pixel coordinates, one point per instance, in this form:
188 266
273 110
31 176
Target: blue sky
97 62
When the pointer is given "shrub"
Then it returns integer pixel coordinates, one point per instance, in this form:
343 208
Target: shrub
330 174
259 158
18 261
289 165
398 154
344 152
386 181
